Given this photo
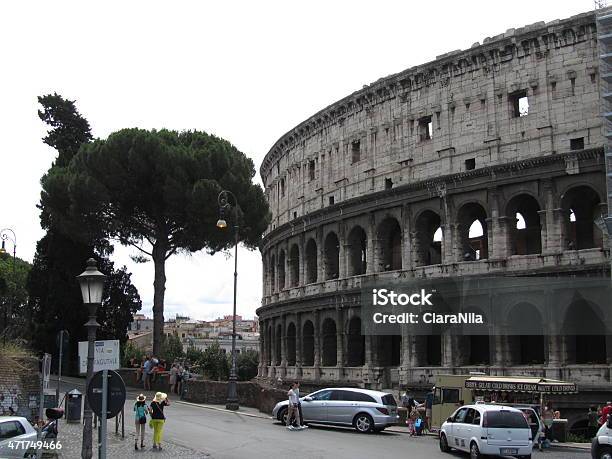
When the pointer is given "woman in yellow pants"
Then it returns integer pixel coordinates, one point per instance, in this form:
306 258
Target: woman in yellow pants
158 418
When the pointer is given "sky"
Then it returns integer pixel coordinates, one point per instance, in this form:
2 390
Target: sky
247 71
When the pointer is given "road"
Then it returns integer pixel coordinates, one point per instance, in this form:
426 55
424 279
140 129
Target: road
227 435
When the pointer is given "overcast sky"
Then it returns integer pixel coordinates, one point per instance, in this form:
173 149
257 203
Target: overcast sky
247 71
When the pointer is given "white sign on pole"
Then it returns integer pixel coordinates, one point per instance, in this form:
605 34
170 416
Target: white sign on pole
106 355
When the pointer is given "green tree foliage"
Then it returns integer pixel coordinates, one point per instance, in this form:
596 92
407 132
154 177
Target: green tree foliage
246 365
13 295
157 191
172 349
215 363
54 301
129 352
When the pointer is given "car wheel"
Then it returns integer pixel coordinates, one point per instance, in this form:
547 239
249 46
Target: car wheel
282 416
444 444
364 423
474 451
604 453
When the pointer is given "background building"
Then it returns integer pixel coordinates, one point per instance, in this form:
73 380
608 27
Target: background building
488 161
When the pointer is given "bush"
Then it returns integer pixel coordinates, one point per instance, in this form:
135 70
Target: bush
246 365
129 352
215 363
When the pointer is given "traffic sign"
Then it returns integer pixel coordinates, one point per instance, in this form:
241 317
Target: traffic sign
115 393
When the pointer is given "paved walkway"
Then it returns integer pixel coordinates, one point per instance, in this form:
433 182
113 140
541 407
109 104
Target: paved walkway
70 435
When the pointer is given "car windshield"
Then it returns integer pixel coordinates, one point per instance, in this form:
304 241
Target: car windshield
505 420
389 400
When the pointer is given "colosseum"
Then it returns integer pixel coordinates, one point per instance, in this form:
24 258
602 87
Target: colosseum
484 162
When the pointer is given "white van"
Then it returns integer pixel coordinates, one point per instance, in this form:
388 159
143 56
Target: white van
487 430
601 446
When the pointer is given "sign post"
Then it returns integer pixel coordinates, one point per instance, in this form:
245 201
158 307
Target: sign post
106 394
63 336
102 436
44 381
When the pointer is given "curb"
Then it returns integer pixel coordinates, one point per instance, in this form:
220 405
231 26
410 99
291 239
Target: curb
214 408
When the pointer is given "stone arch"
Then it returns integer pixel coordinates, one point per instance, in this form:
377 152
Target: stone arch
355 343
329 343
475 345
357 251
389 350
281 269
294 265
528 348
291 342
268 344
580 206
585 333
272 273
308 343
390 244
332 256
311 262
524 227
428 238
278 337
473 232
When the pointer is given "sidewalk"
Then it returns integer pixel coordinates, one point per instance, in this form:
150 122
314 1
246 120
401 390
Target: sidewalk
71 434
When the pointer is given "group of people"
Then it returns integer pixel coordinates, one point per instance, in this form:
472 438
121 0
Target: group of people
294 410
154 411
418 415
150 367
598 416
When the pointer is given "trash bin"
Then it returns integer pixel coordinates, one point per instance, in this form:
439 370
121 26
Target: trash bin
74 406
559 430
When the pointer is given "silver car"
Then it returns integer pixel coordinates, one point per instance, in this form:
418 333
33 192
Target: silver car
365 410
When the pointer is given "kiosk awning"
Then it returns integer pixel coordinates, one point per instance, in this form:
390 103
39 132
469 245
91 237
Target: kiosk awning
520 384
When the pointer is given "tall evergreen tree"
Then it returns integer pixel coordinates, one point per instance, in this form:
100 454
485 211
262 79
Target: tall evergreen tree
54 296
157 191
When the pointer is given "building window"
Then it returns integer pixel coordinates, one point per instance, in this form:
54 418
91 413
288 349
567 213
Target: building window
355 151
294 215
470 164
311 170
282 187
577 143
425 128
388 184
331 201
519 104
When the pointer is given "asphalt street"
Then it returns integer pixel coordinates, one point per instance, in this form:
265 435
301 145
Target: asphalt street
226 435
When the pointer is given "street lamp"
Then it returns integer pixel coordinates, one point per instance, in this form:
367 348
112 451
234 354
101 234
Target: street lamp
91 282
223 200
5 235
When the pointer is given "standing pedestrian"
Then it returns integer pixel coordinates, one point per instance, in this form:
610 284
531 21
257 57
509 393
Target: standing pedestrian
179 379
428 407
297 393
293 410
140 415
592 422
172 381
548 416
147 369
158 418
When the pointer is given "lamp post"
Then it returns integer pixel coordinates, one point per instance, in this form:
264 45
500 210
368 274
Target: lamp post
91 282
223 200
5 235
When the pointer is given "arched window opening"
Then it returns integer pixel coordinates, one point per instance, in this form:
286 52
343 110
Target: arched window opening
357 247
332 256
330 343
311 261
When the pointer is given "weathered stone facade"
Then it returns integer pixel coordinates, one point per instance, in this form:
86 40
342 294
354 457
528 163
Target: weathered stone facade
397 179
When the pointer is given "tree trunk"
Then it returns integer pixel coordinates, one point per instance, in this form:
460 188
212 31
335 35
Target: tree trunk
159 287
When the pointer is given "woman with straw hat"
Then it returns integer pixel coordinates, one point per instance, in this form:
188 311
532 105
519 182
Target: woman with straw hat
158 418
140 413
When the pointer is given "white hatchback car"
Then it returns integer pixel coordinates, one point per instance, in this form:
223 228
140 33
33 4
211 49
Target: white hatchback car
16 436
487 430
